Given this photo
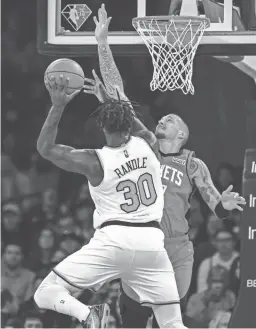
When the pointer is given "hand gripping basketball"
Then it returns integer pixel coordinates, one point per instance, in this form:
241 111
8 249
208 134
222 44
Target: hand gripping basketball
58 91
102 24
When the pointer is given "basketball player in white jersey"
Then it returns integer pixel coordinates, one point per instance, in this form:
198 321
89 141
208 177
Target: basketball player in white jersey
125 184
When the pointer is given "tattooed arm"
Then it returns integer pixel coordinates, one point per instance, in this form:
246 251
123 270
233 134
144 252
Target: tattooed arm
220 204
110 74
109 71
199 172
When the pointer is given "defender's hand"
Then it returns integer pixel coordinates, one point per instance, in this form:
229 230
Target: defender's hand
96 87
102 24
231 200
58 91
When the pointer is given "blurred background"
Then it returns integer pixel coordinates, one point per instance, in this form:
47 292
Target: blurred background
47 212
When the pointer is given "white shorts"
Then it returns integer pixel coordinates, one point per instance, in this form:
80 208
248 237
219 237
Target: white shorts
134 254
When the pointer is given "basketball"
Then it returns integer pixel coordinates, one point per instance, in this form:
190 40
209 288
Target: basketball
69 69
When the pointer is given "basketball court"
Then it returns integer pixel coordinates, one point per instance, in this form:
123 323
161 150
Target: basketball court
220 34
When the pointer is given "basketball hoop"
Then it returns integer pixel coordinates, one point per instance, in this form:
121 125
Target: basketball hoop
172 42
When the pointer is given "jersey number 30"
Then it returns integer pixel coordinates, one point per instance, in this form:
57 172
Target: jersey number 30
136 194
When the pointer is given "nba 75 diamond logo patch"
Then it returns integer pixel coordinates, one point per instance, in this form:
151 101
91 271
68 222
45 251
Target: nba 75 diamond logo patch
76 15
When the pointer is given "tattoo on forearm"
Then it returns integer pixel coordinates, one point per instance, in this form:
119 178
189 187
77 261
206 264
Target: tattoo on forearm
49 131
204 183
109 71
209 194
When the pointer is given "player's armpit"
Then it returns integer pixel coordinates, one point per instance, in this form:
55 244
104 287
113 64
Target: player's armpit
199 172
66 157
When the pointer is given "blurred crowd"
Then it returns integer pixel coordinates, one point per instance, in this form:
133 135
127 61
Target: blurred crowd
47 213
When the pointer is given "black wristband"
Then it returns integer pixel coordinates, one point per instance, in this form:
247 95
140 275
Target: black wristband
220 211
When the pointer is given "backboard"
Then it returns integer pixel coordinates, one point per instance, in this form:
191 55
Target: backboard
66 27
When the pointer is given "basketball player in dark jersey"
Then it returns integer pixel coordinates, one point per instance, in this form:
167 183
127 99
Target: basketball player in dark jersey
181 173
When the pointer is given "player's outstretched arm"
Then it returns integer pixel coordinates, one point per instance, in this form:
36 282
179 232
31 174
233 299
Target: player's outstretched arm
109 71
63 156
108 68
220 204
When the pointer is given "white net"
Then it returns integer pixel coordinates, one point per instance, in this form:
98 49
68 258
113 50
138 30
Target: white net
172 44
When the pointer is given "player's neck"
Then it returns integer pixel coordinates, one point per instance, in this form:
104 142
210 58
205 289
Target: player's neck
167 146
116 140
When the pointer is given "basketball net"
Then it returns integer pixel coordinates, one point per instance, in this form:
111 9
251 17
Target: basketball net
172 42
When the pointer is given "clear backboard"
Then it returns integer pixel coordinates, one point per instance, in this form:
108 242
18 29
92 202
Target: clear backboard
66 27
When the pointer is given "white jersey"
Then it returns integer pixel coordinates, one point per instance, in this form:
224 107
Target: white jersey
131 190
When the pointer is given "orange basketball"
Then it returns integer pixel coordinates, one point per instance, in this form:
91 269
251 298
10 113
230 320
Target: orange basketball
69 69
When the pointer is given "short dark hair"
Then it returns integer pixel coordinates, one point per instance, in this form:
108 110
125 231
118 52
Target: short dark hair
116 116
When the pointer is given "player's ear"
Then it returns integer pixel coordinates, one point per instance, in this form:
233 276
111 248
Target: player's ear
181 134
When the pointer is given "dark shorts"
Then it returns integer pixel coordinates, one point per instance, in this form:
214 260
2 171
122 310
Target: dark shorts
181 254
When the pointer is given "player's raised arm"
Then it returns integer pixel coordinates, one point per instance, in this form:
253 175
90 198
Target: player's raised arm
110 73
63 156
108 68
220 204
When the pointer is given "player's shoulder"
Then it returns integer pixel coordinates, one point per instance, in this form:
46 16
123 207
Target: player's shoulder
188 152
195 166
147 136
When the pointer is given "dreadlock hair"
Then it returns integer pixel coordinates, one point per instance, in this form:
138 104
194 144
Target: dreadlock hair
116 115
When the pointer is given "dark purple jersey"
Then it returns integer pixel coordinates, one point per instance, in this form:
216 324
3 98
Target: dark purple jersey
178 189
